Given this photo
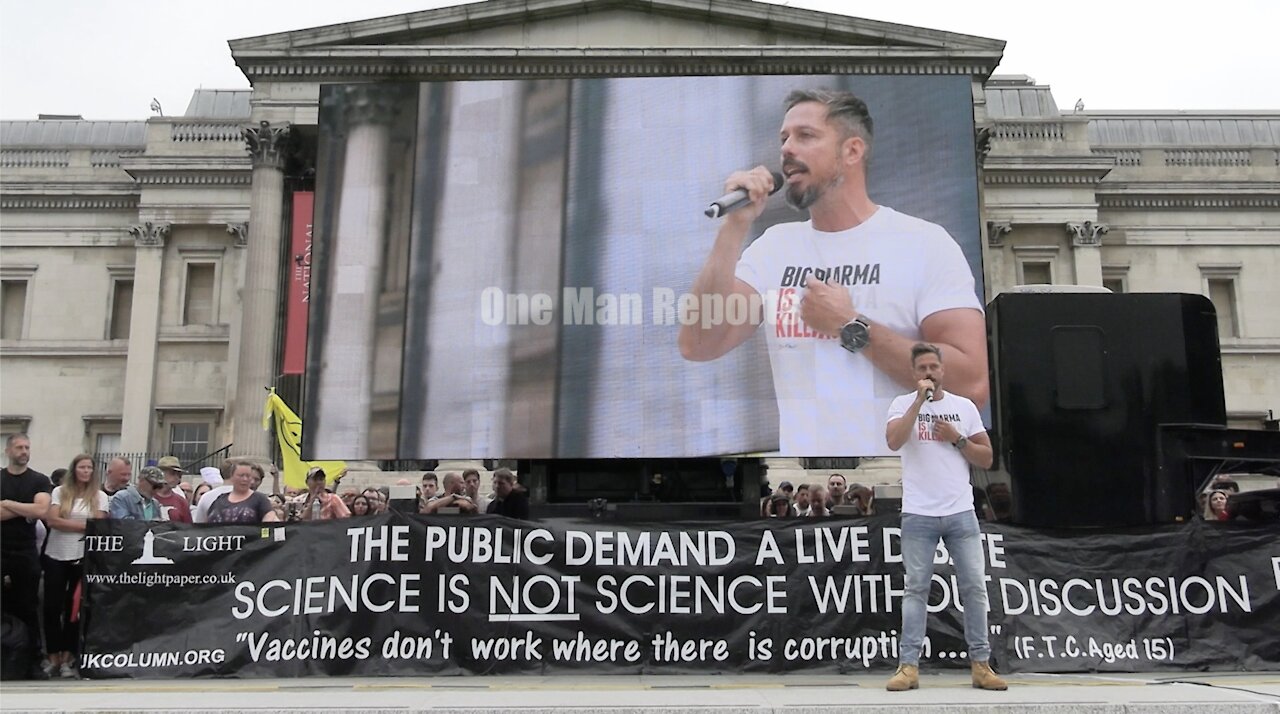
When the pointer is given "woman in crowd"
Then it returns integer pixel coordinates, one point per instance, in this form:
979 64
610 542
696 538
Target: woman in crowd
74 502
242 504
201 489
277 506
360 506
349 497
1215 507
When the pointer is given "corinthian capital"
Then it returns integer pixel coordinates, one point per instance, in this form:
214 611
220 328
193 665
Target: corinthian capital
1087 233
149 235
267 144
241 232
996 231
363 104
981 144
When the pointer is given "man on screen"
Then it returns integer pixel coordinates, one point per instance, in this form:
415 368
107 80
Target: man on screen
844 294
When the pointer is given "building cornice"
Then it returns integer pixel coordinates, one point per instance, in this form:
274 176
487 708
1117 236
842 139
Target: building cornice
64 202
1158 201
366 64
202 171
1040 170
1157 195
64 348
195 178
1041 178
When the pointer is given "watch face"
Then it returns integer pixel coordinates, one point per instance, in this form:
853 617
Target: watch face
854 336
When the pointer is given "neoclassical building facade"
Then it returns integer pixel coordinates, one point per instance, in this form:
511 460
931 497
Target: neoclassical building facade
144 263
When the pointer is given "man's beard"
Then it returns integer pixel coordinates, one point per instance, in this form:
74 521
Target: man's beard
802 199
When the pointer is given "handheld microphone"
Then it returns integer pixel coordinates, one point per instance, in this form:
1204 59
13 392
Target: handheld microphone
928 394
738 198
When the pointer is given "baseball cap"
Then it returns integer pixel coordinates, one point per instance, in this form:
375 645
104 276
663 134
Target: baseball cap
170 463
316 471
785 485
154 475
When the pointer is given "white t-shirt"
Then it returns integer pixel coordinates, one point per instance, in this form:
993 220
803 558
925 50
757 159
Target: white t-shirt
898 270
935 475
66 546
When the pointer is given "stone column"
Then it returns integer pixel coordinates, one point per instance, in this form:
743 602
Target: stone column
240 231
144 327
1086 250
355 258
994 260
260 296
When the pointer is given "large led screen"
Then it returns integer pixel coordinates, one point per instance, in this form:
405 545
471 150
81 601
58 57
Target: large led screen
508 268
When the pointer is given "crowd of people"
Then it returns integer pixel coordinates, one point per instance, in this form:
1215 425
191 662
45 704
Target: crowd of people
817 500
44 520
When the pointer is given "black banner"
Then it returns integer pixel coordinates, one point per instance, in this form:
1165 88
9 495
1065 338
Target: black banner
396 595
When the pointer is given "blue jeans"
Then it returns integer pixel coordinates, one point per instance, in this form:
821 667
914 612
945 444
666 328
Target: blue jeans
963 539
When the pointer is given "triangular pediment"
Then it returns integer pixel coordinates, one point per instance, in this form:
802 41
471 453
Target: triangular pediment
616 23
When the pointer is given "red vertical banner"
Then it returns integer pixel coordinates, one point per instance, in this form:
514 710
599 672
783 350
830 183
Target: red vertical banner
295 327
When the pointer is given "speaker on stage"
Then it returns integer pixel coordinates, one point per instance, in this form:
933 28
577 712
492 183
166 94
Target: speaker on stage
1080 382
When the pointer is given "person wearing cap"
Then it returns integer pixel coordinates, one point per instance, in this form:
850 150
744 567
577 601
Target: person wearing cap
317 504
171 499
137 502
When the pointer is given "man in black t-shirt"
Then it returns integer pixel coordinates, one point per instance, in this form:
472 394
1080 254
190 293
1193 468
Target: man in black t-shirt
509 498
24 497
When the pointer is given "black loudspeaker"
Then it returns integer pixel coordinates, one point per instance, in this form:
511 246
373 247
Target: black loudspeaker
1081 382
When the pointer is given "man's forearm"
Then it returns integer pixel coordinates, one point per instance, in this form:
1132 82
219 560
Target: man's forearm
899 430
891 354
979 455
27 510
700 341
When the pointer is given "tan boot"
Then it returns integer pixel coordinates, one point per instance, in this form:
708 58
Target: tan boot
984 678
907 677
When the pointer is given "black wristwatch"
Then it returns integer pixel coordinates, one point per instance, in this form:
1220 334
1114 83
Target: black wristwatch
855 335
960 443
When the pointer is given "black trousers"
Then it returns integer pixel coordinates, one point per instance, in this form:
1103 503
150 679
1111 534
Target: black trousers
21 599
60 579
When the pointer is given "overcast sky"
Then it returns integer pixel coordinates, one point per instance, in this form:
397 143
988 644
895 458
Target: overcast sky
107 60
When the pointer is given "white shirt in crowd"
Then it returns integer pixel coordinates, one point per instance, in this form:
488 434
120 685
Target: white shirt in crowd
65 546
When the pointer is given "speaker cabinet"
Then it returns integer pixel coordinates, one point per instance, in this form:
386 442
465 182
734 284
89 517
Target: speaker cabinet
1080 383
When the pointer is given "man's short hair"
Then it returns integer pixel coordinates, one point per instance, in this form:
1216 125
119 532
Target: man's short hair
924 348
802 487
14 437
505 474
431 476
845 109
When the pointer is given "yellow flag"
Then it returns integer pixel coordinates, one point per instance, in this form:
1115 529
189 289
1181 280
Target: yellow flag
289 435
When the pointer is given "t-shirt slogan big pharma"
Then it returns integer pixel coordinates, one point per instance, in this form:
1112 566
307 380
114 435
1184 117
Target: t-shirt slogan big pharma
898 270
